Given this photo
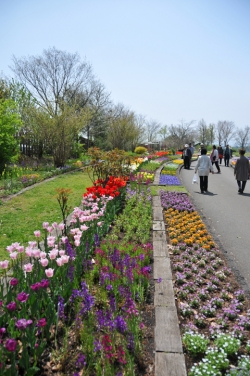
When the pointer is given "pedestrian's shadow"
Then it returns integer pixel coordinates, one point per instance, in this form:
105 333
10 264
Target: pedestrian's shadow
208 193
244 194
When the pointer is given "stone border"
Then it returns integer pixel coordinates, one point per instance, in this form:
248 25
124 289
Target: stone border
169 357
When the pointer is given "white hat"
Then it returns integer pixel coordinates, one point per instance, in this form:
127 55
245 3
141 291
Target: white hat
186 146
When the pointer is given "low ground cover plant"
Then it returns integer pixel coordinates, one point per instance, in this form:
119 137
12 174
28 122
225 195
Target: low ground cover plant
16 177
213 310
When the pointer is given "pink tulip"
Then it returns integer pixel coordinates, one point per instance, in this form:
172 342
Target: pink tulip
64 239
45 225
54 225
84 228
33 244
65 259
20 249
61 252
59 261
50 229
43 255
53 254
37 233
77 242
44 262
61 226
99 224
36 253
49 272
51 241
10 248
28 267
13 255
29 251
4 264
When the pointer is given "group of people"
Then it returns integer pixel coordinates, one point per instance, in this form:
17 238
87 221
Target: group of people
205 165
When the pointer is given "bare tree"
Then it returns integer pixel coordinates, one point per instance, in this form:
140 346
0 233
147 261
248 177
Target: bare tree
203 131
242 137
211 133
181 134
152 130
55 80
225 131
163 132
53 77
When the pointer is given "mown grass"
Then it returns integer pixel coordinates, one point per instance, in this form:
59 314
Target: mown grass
23 214
172 188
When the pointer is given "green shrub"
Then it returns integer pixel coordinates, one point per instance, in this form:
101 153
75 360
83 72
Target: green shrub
140 150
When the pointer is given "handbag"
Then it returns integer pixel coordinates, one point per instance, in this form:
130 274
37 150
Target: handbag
195 179
214 157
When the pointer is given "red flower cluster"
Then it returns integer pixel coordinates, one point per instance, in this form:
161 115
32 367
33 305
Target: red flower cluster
107 188
162 153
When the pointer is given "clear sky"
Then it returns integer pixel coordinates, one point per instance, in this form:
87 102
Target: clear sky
168 60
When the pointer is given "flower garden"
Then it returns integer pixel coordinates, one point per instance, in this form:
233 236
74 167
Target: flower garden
74 302
214 312
81 289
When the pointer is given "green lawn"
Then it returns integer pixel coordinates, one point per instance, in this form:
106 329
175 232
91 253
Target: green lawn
172 188
25 213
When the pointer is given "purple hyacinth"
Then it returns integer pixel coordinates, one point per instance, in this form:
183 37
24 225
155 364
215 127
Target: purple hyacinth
169 180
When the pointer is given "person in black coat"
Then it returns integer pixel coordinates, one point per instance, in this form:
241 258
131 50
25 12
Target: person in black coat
242 171
187 155
227 155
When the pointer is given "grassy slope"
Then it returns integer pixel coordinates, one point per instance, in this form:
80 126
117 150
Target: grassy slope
25 213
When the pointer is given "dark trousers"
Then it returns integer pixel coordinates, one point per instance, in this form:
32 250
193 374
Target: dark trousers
203 183
242 187
186 162
217 165
226 160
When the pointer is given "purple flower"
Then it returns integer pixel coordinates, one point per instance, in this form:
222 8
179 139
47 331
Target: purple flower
11 344
23 323
2 331
121 324
14 282
169 180
42 322
97 345
44 283
36 286
22 297
11 306
81 361
109 287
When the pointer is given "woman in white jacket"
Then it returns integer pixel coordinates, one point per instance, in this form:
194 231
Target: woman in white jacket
214 156
204 166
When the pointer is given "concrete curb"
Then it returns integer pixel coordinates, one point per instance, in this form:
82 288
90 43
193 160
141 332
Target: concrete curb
169 357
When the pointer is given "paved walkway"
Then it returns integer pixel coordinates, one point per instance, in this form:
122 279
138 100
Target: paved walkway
169 357
226 215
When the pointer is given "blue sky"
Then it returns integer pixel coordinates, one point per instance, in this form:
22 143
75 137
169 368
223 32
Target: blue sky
168 60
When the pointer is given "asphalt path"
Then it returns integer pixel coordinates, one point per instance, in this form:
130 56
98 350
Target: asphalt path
227 216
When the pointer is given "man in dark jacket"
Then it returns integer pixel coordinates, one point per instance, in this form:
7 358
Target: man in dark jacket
242 171
187 155
227 156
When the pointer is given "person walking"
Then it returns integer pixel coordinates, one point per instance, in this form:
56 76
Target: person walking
201 147
186 156
214 156
220 151
204 166
227 156
242 171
